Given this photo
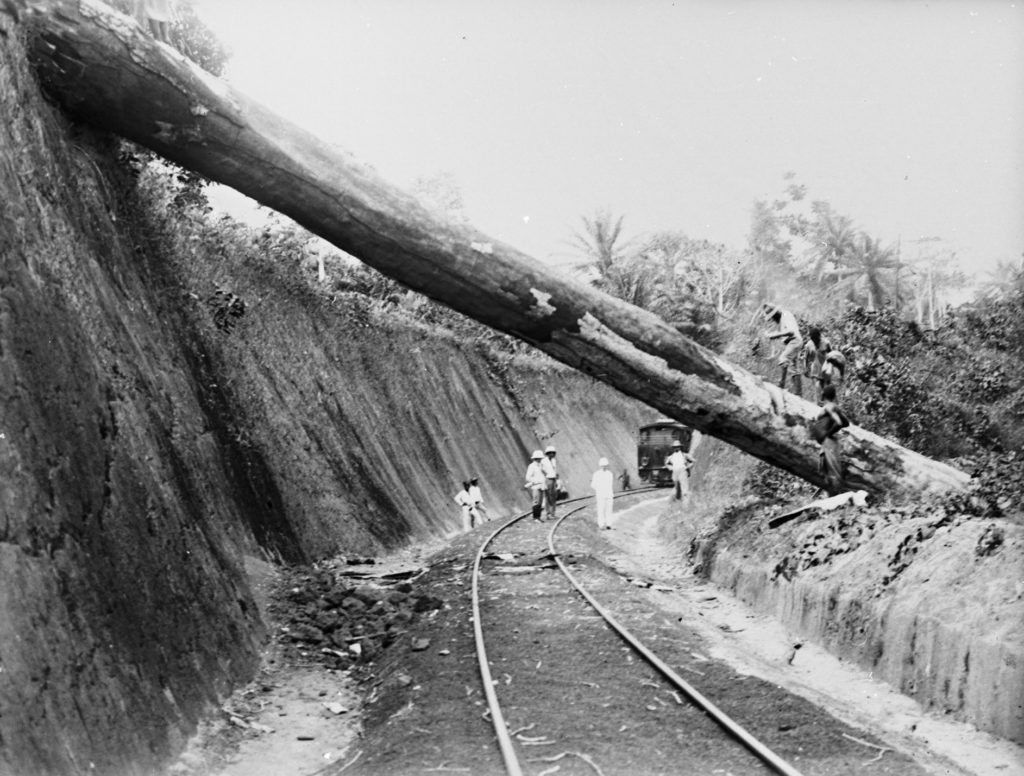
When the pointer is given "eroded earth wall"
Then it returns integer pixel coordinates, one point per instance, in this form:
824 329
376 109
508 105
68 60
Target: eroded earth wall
144 452
927 610
929 601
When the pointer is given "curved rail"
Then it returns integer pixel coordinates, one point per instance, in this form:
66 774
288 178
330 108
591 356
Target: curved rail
723 719
504 738
508 752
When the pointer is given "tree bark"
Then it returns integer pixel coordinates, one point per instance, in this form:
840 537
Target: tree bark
104 70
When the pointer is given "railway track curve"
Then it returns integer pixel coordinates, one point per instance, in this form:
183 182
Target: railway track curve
502 545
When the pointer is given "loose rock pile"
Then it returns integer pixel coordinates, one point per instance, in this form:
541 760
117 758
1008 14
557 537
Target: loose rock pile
341 623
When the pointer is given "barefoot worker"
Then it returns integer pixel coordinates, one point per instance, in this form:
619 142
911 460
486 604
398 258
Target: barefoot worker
824 429
792 344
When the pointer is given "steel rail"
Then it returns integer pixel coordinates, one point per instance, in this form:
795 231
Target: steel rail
508 751
505 744
723 719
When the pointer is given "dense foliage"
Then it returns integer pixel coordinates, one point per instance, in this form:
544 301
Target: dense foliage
179 224
697 286
951 392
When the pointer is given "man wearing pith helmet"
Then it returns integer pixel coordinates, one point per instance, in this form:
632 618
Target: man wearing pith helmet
679 463
550 466
536 482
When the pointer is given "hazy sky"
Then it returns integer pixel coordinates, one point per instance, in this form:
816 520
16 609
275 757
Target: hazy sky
906 116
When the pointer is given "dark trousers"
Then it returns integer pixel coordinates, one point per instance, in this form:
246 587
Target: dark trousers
551 496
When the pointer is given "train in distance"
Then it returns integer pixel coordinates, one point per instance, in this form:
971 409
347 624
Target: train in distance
654 446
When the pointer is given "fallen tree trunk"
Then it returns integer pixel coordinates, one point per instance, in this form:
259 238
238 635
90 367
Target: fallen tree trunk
105 71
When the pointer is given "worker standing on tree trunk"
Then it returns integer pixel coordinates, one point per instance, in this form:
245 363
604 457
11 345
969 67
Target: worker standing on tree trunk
833 372
792 342
812 357
157 14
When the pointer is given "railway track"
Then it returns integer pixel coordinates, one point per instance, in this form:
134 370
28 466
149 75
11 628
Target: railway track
617 656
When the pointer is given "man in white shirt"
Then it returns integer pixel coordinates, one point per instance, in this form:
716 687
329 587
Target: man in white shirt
477 499
602 483
679 464
792 342
463 500
550 466
536 482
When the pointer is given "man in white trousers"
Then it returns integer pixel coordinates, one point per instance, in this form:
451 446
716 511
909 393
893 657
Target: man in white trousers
603 484
536 483
680 463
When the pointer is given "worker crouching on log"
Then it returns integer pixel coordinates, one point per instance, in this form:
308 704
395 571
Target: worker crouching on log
824 429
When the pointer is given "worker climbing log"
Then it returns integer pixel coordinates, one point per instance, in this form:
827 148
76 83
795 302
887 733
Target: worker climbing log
103 70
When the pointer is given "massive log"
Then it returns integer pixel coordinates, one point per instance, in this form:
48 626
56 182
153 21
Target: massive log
104 70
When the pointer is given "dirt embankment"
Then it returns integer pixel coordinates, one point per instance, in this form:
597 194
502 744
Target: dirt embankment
932 605
369 420
144 452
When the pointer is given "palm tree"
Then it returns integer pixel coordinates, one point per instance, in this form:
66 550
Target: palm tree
864 274
600 243
834 239
1003 282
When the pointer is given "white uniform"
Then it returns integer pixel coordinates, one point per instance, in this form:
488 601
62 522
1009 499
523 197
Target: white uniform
679 462
463 500
535 479
603 484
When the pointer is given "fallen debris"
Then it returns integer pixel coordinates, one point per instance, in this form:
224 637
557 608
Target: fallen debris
540 741
881 749
580 755
857 497
351 762
506 556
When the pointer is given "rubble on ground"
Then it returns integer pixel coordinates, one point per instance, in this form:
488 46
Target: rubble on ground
325 616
